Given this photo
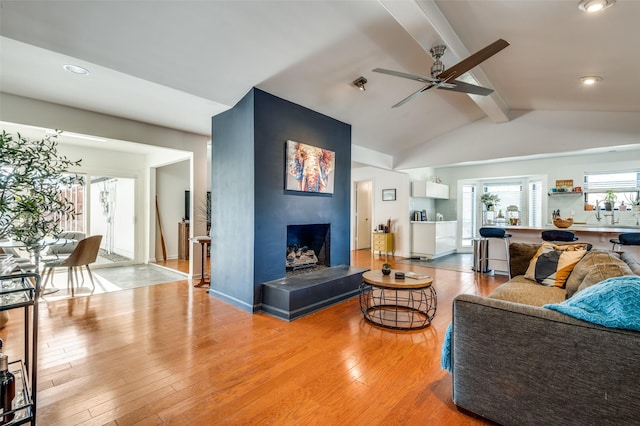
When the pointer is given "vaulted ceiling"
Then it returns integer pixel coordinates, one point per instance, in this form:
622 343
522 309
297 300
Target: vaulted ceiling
177 63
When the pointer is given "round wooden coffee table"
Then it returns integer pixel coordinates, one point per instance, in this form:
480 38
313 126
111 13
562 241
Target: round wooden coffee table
402 304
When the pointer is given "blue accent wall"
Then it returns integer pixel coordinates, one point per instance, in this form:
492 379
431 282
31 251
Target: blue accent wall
250 207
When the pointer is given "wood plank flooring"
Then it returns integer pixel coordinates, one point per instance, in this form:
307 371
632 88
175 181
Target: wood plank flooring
172 354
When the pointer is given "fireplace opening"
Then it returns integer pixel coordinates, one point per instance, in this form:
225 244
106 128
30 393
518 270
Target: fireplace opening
308 247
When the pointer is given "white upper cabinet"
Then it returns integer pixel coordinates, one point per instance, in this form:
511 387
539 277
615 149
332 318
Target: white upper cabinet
428 189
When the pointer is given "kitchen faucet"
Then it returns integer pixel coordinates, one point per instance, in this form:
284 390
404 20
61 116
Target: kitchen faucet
599 217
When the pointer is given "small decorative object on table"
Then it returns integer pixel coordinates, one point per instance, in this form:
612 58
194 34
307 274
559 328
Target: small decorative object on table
386 268
399 275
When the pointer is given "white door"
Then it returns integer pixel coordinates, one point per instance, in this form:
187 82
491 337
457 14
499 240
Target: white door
363 215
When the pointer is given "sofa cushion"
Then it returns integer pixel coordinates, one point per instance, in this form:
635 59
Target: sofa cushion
597 265
522 290
553 263
631 261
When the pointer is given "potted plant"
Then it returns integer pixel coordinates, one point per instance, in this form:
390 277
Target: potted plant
32 174
386 268
609 200
635 203
489 200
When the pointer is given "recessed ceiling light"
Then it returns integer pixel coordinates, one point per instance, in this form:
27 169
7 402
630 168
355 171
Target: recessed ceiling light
592 6
590 80
76 69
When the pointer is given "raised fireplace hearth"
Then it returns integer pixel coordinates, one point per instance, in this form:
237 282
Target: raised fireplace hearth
294 296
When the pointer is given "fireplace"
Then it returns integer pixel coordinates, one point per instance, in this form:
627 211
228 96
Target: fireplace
308 247
307 288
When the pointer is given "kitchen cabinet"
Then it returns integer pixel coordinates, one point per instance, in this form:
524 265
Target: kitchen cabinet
433 239
427 189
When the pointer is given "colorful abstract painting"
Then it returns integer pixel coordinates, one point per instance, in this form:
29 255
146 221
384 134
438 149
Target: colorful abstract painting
309 168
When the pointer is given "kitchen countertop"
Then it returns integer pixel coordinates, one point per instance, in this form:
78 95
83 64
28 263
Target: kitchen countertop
578 228
434 221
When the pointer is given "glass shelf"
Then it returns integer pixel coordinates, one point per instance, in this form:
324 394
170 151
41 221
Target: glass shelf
16 291
22 403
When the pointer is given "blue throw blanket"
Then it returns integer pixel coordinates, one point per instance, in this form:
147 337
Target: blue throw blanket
445 360
613 303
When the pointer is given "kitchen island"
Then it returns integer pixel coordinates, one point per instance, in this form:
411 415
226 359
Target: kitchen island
433 239
598 236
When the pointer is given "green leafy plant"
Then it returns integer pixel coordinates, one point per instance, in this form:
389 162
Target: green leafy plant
386 266
489 199
636 201
610 197
32 175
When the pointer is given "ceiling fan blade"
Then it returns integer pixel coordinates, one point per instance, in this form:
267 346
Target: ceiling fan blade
420 78
466 64
461 86
413 95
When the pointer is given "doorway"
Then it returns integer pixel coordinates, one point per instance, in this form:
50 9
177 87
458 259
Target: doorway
363 215
111 213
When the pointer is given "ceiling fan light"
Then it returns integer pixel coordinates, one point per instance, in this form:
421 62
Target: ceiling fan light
592 6
590 80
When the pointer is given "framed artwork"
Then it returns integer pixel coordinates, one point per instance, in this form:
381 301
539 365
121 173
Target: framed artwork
309 168
388 195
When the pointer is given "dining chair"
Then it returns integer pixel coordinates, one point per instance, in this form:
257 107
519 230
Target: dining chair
85 253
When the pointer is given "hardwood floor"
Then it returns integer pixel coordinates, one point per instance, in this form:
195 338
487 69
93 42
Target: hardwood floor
172 354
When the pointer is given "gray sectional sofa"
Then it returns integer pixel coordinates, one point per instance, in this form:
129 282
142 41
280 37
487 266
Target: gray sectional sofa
517 363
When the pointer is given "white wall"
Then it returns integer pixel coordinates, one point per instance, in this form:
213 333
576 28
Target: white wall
172 181
397 211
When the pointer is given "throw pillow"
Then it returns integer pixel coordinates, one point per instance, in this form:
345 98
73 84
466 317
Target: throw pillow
600 265
553 263
520 254
594 260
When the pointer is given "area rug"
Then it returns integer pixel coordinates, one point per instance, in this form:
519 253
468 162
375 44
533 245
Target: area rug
462 262
112 279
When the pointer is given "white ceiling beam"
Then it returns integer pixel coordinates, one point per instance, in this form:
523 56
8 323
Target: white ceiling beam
424 21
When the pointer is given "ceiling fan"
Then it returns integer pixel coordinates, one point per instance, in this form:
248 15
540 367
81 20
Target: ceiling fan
446 79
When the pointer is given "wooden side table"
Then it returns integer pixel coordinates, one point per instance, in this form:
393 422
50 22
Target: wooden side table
204 241
401 304
382 243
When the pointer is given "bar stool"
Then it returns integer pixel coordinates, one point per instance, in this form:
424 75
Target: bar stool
501 234
626 239
556 235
